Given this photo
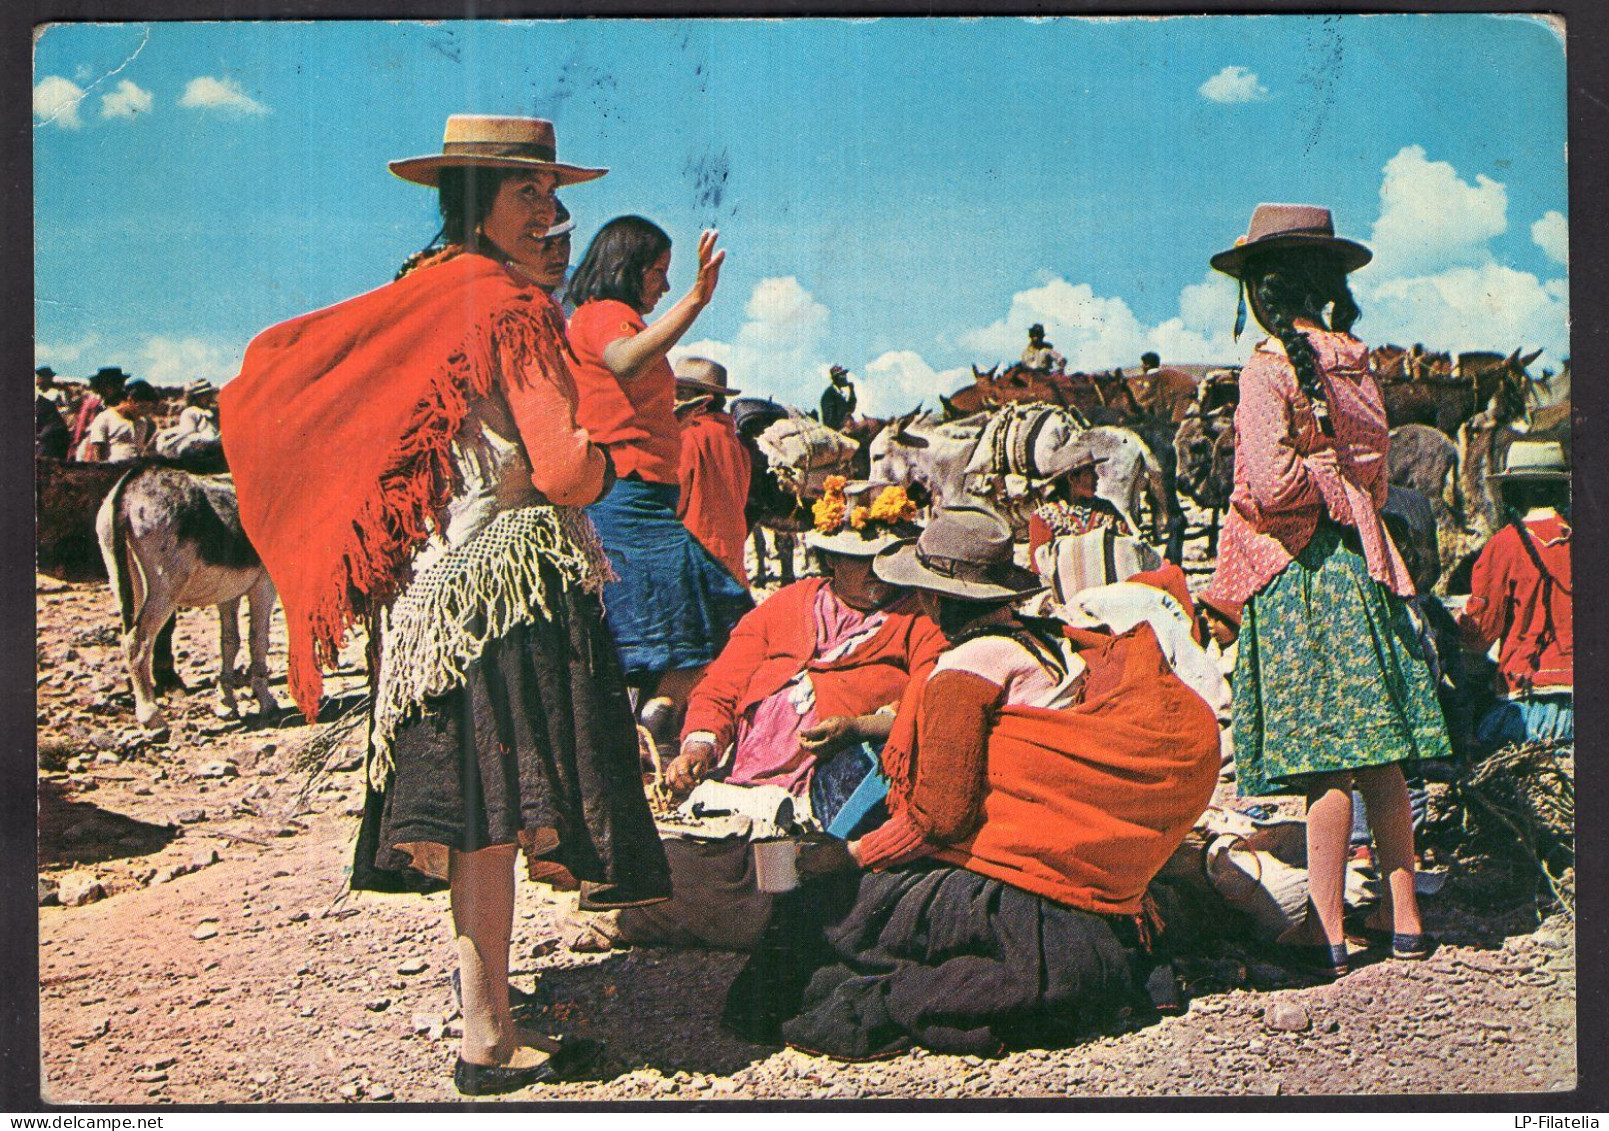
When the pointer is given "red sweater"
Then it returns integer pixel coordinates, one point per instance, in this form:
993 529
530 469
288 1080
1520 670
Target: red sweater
1507 603
715 488
1082 806
776 642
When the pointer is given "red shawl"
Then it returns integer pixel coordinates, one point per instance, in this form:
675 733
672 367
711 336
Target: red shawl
1085 805
338 430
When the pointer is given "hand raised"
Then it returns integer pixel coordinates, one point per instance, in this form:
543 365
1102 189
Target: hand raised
709 267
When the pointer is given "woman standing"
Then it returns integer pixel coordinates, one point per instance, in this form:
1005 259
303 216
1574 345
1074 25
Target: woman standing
673 603
1332 687
450 522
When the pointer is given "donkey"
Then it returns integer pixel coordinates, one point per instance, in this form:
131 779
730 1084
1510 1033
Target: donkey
173 540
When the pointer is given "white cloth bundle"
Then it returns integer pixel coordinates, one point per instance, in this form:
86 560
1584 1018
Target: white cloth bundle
802 452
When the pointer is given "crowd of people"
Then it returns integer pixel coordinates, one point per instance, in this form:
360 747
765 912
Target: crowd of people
540 524
115 418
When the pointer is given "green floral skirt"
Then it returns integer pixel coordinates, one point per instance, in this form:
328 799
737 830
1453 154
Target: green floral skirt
1331 675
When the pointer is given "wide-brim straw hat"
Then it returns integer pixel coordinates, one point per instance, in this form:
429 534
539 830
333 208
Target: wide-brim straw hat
1534 460
1068 459
698 375
199 388
1277 226
964 553
490 142
871 539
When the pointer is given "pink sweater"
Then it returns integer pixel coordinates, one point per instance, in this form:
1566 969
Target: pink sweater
1280 493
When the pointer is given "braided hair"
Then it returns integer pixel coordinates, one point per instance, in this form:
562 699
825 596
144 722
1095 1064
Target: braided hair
1300 283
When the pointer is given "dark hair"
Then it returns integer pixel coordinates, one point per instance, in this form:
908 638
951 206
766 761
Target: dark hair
616 260
1300 283
1521 495
466 196
107 385
140 392
1037 330
1150 359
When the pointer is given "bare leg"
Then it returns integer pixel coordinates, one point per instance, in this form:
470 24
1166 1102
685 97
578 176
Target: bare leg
676 687
1329 831
1385 797
482 890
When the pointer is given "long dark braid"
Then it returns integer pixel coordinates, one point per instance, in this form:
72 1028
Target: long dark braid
1291 284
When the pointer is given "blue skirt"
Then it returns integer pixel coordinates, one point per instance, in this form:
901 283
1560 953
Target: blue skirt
673 604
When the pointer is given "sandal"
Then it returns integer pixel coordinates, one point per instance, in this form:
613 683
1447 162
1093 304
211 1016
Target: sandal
492 1080
518 999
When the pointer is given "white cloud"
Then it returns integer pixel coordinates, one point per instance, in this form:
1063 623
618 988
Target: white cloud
1094 332
208 93
1430 219
899 380
1552 235
178 361
1435 278
1234 84
777 351
127 101
65 353
56 100
1490 307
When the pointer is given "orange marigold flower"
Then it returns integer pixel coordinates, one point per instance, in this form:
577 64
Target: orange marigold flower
858 517
835 484
829 513
893 505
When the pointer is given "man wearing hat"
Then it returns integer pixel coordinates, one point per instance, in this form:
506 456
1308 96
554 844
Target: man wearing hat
714 466
838 401
1040 354
105 387
123 430
50 429
1521 600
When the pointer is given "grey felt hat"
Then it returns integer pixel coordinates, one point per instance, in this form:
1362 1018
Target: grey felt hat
965 552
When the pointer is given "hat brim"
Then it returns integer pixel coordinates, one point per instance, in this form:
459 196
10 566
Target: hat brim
851 543
1540 473
899 565
427 170
692 385
1233 262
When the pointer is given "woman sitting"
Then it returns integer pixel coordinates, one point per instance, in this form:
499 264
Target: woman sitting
1039 778
805 675
801 670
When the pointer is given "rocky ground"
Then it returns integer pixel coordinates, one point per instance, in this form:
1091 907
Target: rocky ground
196 946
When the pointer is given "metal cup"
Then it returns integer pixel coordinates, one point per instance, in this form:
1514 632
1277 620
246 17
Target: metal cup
776 865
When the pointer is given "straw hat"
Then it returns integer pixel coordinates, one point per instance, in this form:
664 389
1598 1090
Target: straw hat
696 376
1275 226
1067 459
1534 460
964 552
199 389
493 143
836 532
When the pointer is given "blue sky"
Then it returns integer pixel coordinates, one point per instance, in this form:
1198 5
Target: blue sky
903 196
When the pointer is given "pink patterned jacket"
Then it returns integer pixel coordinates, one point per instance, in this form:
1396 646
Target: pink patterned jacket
1281 493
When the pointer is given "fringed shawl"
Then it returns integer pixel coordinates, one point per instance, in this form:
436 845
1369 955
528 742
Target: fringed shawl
339 427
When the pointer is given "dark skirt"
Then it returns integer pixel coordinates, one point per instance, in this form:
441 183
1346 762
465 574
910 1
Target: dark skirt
673 605
1331 674
537 748
866 966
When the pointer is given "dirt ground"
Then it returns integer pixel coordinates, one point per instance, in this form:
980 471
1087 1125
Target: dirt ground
210 955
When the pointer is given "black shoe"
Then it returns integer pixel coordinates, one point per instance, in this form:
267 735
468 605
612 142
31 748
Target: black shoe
1317 958
518 999
491 1080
